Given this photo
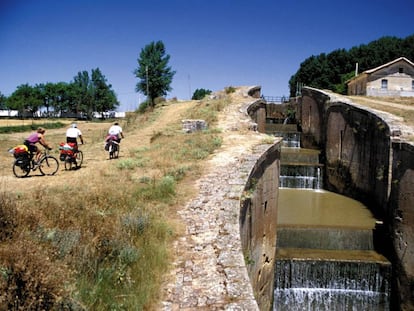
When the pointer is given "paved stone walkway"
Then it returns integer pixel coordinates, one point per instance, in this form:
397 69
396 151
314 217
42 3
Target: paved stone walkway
209 271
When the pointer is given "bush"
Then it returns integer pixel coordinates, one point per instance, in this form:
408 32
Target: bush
143 106
200 94
230 89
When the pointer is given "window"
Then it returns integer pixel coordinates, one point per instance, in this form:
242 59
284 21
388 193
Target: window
384 84
401 70
412 85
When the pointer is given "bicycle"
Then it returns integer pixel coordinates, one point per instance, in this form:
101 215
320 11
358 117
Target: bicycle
24 163
113 147
71 155
74 161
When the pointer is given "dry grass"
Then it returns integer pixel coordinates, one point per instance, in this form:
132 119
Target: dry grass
399 106
98 237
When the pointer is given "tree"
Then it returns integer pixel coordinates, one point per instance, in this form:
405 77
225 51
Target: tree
91 93
61 96
82 94
3 99
104 98
331 71
26 98
153 70
200 94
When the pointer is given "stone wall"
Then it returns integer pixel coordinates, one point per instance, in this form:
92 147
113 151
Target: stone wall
312 111
257 111
357 151
401 219
258 216
365 160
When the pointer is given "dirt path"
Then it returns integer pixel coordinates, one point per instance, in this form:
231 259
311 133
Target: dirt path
96 160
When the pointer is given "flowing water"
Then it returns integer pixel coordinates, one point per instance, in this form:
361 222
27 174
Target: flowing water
325 258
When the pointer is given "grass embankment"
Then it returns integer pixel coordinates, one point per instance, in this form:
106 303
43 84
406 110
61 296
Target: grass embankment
103 245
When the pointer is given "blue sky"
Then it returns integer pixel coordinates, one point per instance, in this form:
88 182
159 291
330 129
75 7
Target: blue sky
212 43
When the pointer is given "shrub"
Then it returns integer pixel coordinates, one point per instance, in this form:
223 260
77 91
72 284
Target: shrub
230 89
200 94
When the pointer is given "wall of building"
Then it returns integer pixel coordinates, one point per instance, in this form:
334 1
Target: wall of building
399 76
358 85
364 160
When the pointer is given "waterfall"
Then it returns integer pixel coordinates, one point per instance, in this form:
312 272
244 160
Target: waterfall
325 258
331 285
300 176
300 168
290 139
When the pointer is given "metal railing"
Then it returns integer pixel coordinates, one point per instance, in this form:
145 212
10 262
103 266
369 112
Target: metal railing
276 99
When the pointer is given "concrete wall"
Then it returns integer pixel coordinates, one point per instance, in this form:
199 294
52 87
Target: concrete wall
401 220
365 161
258 216
357 150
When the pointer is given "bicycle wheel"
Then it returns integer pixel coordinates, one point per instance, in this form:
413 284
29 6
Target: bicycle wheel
116 151
21 168
69 162
79 158
49 165
111 150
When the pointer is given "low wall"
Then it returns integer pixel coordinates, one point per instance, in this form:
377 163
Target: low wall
258 216
366 160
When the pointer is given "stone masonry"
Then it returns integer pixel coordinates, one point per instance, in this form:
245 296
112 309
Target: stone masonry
209 271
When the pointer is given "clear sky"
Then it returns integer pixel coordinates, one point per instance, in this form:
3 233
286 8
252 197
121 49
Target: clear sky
212 43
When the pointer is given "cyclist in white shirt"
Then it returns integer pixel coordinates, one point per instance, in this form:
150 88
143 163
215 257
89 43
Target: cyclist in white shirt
73 133
116 130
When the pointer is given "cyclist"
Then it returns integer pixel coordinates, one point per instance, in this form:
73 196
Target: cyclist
115 130
33 139
72 135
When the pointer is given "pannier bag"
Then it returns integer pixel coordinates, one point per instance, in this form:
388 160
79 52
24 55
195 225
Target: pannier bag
108 139
66 149
20 151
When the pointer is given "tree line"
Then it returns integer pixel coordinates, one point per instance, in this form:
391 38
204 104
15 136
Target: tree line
89 93
84 95
331 71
